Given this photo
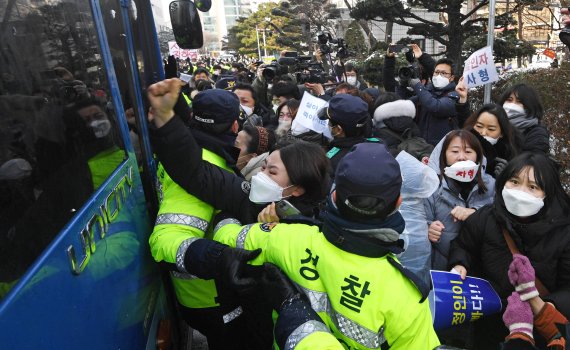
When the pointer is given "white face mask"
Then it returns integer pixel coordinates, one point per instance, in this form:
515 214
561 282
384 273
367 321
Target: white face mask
248 110
217 72
520 203
491 140
264 189
269 86
463 171
351 80
513 109
439 81
100 127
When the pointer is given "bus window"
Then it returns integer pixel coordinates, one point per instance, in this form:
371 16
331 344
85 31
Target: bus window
59 136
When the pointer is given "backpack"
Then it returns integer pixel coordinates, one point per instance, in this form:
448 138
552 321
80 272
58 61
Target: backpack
414 145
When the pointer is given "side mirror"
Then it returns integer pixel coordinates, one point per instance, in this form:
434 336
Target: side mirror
186 24
203 5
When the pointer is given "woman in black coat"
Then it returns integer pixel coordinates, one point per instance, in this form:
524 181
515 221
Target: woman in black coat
491 126
532 208
524 109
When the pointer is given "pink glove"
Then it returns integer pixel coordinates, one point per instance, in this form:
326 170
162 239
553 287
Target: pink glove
518 316
521 276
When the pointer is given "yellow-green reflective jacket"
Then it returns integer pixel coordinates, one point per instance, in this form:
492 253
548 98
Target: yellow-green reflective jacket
183 218
364 301
103 164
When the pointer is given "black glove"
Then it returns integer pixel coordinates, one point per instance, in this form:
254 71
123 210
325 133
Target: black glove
171 68
232 269
500 165
277 287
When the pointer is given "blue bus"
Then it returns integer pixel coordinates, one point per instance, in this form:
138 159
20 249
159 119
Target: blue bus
77 176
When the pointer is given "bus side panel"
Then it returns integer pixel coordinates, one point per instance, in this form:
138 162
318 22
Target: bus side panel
110 304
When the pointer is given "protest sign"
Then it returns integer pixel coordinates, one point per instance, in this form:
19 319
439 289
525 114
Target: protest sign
176 51
307 116
456 301
480 68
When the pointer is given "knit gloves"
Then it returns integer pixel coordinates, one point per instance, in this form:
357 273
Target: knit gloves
521 276
518 316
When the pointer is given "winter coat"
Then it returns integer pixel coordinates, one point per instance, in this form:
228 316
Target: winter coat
267 115
181 155
436 111
482 249
439 206
253 166
339 147
536 139
395 117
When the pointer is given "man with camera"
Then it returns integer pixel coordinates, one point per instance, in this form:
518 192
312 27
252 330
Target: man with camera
421 65
435 102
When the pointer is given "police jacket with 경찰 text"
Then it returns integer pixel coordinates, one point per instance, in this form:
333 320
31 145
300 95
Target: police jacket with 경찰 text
436 111
366 302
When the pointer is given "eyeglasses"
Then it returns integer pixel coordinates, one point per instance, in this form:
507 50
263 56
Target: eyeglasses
439 72
284 115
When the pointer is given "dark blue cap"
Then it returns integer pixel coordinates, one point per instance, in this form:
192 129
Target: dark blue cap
348 111
373 92
368 170
215 106
226 83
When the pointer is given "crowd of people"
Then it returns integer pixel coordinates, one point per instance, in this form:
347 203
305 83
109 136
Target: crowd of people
259 213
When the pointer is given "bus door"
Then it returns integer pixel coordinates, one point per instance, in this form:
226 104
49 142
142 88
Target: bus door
75 268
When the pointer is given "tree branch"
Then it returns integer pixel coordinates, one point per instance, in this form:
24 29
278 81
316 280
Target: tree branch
474 10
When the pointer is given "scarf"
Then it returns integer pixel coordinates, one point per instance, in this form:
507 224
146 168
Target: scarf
521 121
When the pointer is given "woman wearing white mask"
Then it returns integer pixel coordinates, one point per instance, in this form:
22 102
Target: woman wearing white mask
532 211
286 113
491 126
524 109
463 189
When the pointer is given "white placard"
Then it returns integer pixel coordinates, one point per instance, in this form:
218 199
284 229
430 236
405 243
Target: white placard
480 68
307 115
176 51
185 77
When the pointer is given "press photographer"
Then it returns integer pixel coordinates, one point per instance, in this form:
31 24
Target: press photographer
420 66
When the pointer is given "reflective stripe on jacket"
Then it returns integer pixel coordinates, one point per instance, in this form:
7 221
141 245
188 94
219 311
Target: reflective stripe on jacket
366 302
181 219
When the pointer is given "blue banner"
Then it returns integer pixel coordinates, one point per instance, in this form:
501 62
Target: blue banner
456 301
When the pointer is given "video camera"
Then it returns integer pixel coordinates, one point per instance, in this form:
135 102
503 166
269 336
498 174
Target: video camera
305 71
412 71
327 44
271 70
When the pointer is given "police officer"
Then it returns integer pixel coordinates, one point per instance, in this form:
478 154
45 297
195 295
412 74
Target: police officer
348 270
183 218
349 123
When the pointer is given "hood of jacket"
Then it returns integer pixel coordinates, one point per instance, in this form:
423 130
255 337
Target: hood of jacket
400 108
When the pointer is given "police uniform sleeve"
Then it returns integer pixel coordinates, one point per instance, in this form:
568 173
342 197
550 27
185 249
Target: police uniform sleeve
299 327
248 237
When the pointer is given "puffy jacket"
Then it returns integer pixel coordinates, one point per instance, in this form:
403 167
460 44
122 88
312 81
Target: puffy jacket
436 111
439 206
482 249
